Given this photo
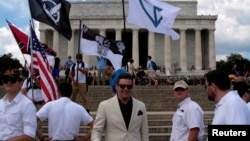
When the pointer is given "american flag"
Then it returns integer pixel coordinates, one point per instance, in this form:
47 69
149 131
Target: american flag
47 82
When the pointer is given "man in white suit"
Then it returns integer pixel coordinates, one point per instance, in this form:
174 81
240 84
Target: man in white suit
122 117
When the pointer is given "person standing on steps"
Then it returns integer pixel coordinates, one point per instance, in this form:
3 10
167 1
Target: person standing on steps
187 121
151 72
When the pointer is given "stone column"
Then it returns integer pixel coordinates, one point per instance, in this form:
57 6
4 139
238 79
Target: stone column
135 48
198 52
183 53
151 45
118 34
212 57
167 52
56 42
71 45
43 36
102 32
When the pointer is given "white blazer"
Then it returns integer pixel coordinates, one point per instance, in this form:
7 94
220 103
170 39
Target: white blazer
109 121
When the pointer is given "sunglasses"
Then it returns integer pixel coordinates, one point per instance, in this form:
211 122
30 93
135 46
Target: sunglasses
179 89
122 86
10 79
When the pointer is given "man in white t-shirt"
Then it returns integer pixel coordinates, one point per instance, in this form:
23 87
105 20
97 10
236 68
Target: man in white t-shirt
78 75
229 107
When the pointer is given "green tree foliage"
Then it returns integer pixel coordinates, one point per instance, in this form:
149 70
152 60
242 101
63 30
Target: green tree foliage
227 65
7 62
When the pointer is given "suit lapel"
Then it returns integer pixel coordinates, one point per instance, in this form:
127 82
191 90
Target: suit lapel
134 113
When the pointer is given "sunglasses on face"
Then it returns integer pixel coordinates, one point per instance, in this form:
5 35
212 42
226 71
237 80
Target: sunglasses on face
10 79
122 86
179 89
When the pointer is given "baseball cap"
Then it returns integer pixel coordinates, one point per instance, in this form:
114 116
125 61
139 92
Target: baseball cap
180 84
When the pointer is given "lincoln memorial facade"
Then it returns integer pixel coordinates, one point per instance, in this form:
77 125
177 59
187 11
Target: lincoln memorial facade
196 46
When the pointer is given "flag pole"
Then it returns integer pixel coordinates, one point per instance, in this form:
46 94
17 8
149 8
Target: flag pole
31 54
124 22
79 43
124 27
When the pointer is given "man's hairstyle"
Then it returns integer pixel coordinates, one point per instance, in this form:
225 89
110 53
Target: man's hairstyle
79 56
107 68
125 76
219 78
65 89
149 57
131 60
241 87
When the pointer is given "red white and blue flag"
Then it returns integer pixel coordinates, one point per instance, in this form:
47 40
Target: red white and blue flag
47 82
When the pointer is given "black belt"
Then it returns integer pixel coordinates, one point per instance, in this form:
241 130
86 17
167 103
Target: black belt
39 102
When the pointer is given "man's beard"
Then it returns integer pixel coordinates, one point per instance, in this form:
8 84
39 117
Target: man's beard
211 97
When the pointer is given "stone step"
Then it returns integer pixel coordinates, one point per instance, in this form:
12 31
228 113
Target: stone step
160 125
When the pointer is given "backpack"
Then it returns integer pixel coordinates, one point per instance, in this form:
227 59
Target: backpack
29 85
154 66
73 67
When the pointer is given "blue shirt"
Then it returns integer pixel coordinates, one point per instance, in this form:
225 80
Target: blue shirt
114 78
68 63
101 63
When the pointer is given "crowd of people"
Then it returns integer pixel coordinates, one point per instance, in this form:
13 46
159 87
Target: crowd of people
122 117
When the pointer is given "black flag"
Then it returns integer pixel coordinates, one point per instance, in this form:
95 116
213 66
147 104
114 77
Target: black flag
54 13
98 45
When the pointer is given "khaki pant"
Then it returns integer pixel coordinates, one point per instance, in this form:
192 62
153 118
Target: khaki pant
81 88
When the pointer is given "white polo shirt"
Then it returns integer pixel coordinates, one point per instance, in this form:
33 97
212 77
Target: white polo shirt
231 109
188 115
17 117
64 118
81 76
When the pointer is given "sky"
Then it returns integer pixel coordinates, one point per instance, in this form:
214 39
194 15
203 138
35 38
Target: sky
231 34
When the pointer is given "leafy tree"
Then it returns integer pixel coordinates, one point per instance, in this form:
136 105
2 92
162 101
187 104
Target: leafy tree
7 62
228 64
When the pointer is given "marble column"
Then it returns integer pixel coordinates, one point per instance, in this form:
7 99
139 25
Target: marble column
135 48
212 57
198 52
151 45
71 45
118 34
56 42
42 36
183 51
167 53
102 32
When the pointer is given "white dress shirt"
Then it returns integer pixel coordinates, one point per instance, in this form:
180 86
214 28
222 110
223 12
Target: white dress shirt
231 109
17 117
64 118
